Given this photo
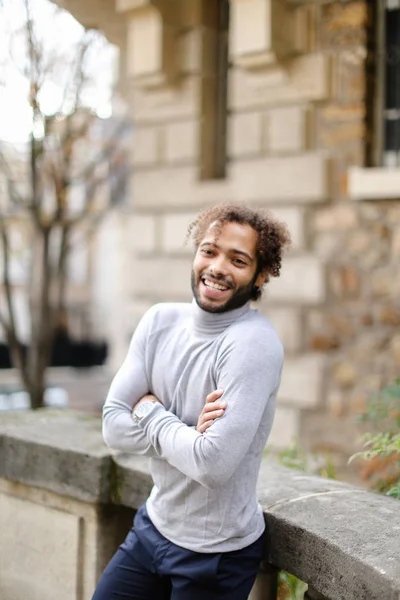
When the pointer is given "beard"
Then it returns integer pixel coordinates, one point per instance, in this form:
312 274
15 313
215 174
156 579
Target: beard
238 299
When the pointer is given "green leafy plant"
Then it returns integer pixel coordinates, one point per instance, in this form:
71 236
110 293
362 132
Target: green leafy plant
294 457
290 587
382 446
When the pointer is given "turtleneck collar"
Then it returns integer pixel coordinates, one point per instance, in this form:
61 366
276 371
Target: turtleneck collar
213 324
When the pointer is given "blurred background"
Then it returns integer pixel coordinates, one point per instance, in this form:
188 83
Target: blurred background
121 119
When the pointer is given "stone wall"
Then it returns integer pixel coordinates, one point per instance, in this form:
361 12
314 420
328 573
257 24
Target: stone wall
66 504
272 161
296 122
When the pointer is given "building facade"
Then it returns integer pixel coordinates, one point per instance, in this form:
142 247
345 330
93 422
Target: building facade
290 105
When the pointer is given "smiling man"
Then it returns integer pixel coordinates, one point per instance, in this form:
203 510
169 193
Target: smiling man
196 393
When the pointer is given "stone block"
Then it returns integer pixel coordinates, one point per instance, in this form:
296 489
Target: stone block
396 241
295 220
144 31
146 146
345 281
191 50
33 536
182 141
80 473
307 78
344 24
262 33
302 281
173 232
301 178
245 134
163 279
286 129
345 375
286 427
143 233
288 324
165 104
302 380
294 179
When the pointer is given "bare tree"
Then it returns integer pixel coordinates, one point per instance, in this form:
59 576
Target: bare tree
62 159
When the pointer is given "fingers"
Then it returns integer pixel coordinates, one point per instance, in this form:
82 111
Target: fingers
214 396
213 409
205 421
213 402
202 428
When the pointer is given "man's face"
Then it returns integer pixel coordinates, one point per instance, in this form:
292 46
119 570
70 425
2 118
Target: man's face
225 266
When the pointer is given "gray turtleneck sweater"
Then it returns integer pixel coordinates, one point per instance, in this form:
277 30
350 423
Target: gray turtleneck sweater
204 495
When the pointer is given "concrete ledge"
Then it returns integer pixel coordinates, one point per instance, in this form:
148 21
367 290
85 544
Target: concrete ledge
58 451
342 540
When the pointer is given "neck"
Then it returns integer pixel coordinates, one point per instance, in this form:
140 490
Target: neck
212 324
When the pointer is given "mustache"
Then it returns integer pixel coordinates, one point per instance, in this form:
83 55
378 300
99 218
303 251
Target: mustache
219 278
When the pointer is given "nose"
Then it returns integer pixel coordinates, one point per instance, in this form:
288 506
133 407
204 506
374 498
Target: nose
218 267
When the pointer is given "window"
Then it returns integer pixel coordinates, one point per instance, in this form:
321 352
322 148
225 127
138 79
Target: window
383 84
215 90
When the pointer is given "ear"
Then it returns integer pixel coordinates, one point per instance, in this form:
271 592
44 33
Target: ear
261 278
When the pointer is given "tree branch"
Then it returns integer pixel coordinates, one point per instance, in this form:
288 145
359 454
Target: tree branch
16 198
10 327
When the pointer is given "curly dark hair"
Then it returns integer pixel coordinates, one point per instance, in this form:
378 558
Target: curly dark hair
273 235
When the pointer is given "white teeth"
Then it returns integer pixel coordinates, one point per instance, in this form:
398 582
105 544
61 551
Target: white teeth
214 286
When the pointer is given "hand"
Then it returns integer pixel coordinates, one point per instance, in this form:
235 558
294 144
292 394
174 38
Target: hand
213 409
146 398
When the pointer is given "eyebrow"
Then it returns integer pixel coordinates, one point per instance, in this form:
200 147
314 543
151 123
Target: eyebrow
232 251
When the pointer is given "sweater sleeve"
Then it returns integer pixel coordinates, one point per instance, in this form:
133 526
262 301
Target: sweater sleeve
249 372
129 385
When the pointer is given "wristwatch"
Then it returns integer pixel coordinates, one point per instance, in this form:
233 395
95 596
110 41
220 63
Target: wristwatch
142 410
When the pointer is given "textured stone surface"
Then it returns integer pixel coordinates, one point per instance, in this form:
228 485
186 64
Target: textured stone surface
154 278
143 234
302 379
286 129
301 281
294 129
360 328
182 142
296 179
173 232
347 559
59 452
286 427
308 78
30 562
288 323
146 146
294 217
246 134
342 540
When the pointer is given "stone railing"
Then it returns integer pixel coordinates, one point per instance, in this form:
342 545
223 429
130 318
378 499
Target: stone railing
66 503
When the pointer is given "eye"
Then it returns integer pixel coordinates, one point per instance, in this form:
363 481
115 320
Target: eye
207 252
239 262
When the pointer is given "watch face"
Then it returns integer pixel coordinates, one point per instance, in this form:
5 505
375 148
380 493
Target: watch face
143 409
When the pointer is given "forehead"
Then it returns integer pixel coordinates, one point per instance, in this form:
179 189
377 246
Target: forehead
232 236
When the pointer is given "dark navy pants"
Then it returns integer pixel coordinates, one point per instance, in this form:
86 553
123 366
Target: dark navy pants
149 567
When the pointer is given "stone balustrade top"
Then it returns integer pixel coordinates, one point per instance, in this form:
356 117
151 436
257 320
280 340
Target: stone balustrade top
342 540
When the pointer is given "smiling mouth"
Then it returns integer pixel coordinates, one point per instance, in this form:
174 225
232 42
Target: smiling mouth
213 285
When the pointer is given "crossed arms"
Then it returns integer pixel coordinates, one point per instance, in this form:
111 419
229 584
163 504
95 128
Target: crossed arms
210 456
